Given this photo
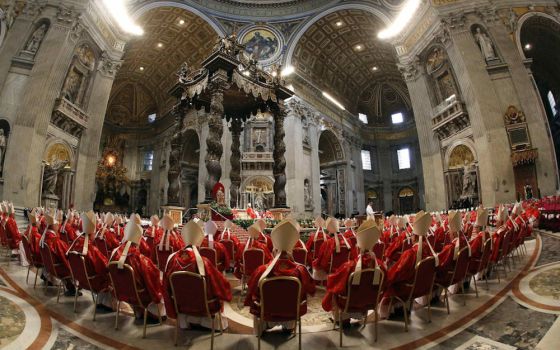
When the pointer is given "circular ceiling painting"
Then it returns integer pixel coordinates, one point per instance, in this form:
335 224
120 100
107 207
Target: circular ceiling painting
262 44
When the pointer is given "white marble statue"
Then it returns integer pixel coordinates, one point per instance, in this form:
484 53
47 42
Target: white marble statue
485 44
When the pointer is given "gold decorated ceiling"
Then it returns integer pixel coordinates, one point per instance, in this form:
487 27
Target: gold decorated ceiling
136 92
327 56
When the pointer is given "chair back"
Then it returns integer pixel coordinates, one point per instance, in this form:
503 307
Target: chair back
423 277
102 246
210 254
31 258
461 266
337 259
300 256
79 270
48 260
252 259
280 298
3 236
379 249
189 293
230 248
317 247
486 254
364 296
124 284
505 244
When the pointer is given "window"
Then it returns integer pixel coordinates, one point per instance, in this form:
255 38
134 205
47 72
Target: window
363 118
152 118
148 161
397 118
552 102
366 160
404 158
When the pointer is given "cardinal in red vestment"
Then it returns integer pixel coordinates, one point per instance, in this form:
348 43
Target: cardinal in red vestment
227 235
450 251
106 236
58 249
222 258
391 232
367 236
189 259
33 236
251 212
252 243
284 236
503 224
151 234
480 234
323 263
94 259
349 234
264 238
399 242
147 274
402 272
168 242
316 239
12 232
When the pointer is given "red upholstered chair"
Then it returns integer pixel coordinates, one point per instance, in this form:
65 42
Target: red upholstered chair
252 259
337 259
126 289
300 256
102 246
480 265
84 277
362 297
33 260
379 249
230 248
423 284
56 270
280 301
210 254
456 274
190 297
162 256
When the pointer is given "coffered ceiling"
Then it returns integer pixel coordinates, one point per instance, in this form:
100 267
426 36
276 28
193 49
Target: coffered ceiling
340 54
171 36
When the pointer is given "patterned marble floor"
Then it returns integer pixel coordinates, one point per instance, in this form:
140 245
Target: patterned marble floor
31 318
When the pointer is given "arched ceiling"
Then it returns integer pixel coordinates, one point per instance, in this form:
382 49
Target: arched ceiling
151 61
341 54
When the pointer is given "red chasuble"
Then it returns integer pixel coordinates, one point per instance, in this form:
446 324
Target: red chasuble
253 244
58 250
328 248
218 286
12 232
221 255
96 260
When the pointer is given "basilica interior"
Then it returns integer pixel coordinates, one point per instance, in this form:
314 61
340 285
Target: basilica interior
284 109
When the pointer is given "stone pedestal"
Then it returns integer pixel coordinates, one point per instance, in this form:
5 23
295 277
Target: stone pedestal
176 213
280 213
50 201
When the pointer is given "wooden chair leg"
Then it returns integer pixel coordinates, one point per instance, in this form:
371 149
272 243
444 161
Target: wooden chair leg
213 331
463 292
259 334
299 335
176 331
340 327
405 316
145 322
446 299
117 315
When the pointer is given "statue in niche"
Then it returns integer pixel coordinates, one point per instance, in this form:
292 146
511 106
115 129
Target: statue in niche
469 180
3 145
36 39
307 195
50 175
72 85
485 44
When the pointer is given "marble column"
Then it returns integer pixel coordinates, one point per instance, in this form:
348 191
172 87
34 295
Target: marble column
295 164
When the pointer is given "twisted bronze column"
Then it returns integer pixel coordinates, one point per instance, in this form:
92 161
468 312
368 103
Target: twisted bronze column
235 172
214 148
279 167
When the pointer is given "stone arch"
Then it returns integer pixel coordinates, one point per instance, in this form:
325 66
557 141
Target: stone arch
293 41
521 22
330 147
59 149
140 10
262 195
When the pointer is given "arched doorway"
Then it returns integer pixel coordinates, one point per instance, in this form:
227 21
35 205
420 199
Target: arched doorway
58 175
406 201
189 169
333 174
539 41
